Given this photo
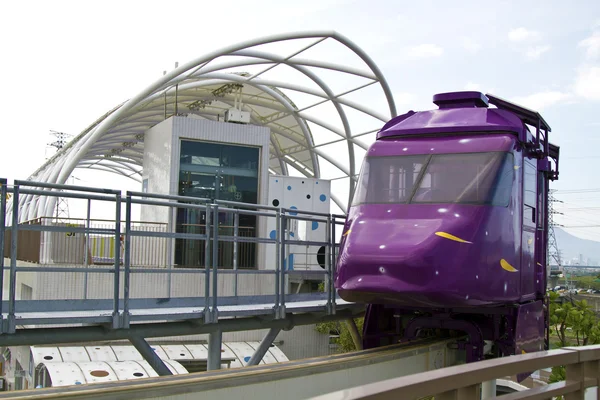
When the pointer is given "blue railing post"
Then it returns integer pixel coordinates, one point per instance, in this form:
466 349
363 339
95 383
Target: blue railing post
329 276
3 192
215 263
12 292
333 263
281 311
236 226
116 294
127 261
207 264
278 264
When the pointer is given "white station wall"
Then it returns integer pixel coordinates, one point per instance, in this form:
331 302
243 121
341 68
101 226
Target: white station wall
162 148
306 194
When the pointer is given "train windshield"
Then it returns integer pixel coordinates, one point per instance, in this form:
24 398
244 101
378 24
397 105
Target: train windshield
468 178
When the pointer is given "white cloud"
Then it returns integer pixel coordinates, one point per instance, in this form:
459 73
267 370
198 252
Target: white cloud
534 53
424 51
522 34
587 84
591 46
538 101
470 44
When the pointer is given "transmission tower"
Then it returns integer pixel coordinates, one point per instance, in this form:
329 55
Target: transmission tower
62 206
553 252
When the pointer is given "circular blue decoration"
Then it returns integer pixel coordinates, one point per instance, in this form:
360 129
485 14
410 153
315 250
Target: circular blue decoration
276 180
247 358
315 225
289 188
322 197
293 208
317 182
273 234
292 234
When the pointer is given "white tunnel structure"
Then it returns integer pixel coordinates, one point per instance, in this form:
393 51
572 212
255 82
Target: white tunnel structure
294 94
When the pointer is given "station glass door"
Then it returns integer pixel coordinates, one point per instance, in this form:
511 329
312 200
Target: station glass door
218 172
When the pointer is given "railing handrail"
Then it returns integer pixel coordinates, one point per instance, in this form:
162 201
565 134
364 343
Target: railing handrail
462 381
122 249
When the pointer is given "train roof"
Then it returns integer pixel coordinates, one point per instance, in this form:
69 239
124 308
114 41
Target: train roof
465 112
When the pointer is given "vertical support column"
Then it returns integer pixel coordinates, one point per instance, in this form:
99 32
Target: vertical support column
207 264
3 192
127 261
264 345
576 372
284 227
215 263
149 355
214 350
467 393
236 227
488 389
87 249
12 288
117 277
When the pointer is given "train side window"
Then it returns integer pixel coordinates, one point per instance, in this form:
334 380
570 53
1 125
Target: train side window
529 194
541 200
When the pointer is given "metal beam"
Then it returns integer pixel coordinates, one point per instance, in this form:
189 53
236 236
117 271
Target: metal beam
149 355
215 340
356 338
32 337
264 346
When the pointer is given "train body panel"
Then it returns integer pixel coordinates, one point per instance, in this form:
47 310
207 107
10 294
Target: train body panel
448 225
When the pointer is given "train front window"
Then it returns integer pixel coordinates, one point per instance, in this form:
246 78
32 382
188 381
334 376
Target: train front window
388 179
468 178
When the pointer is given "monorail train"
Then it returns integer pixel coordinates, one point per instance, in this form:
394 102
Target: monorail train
447 229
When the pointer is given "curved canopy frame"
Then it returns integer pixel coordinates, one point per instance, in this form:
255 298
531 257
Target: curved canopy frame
209 85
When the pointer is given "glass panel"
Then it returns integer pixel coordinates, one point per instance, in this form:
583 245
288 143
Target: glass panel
387 179
529 193
472 178
475 178
224 172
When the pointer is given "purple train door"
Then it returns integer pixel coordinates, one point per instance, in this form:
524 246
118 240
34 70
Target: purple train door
528 266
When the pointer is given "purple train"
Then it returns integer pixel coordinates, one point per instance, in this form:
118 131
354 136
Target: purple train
447 230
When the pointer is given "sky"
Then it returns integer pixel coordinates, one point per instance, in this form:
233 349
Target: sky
65 64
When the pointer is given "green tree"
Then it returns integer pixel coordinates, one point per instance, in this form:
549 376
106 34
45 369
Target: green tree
570 317
344 340
573 317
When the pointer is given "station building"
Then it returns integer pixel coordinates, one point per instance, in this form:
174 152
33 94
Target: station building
250 123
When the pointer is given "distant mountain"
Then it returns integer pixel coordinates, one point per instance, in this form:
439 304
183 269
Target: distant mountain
572 246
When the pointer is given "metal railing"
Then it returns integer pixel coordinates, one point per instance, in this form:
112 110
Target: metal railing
120 276
464 382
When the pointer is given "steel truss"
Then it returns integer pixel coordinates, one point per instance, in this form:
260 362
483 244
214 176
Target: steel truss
206 87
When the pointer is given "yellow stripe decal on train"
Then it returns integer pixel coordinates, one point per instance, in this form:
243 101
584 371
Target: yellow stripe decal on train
451 237
505 265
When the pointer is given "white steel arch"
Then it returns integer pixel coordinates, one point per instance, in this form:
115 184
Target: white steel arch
207 86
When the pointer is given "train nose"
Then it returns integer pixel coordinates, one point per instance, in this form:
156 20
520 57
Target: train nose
383 256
